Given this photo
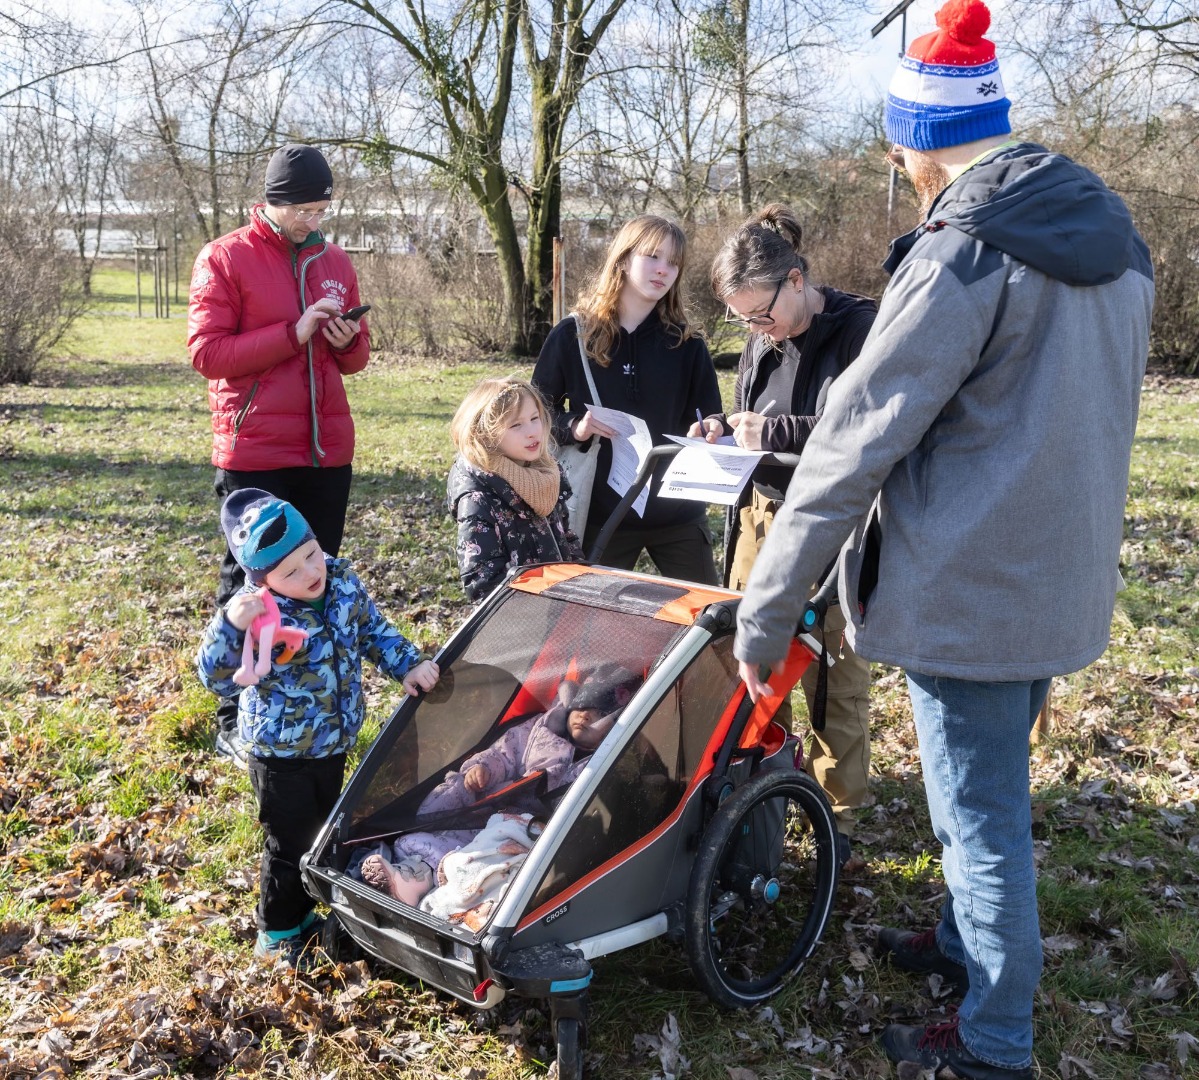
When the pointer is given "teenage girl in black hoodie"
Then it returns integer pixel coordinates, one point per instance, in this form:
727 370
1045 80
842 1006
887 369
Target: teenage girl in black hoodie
644 360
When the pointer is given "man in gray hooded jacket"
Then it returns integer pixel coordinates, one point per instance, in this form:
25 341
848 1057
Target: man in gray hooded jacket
992 413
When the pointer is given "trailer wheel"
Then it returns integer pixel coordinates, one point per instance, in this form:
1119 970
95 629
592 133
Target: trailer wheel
568 1032
762 888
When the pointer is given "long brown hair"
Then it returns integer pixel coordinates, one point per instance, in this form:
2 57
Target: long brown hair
484 415
598 304
766 247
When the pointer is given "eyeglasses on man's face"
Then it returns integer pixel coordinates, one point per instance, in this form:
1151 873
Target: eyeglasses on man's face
894 158
763 319
307 213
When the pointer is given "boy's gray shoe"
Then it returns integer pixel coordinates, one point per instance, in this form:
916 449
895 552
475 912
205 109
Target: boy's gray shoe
939 1047
300 951
228 744
918 952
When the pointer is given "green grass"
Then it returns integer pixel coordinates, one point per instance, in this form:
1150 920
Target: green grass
128 855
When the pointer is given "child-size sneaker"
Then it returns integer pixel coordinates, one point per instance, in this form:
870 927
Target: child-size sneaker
939 1048
229 745
297 948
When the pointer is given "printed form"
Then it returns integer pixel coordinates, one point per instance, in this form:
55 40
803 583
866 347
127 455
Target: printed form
709 472
630 448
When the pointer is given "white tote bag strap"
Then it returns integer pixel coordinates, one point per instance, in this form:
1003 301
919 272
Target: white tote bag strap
595 399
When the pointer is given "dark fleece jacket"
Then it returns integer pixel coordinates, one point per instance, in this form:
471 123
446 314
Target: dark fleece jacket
652 376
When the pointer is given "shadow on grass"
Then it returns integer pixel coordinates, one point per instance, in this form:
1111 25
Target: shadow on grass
74 487
79 372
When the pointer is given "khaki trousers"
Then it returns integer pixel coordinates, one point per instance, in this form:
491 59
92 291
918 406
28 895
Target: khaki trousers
838 758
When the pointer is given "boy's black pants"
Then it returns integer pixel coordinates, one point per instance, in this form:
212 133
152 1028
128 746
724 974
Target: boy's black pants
295 797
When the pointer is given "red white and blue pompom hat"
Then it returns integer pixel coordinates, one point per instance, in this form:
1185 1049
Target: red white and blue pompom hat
947 89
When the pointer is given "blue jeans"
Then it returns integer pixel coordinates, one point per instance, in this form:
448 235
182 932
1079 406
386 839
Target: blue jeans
974 753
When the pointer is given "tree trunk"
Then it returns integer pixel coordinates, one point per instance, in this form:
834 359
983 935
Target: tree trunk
743 183
545 214
497 212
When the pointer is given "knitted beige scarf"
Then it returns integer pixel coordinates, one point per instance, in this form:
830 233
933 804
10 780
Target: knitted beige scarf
536 483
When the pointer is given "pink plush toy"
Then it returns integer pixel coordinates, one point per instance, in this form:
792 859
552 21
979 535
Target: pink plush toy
268 631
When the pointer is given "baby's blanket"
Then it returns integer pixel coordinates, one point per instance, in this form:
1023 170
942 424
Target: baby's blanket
472 879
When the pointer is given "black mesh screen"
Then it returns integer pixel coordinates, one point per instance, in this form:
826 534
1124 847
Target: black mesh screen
511 668
646 783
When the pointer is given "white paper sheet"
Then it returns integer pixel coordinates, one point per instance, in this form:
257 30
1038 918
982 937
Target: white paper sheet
630 447
708 472
690 440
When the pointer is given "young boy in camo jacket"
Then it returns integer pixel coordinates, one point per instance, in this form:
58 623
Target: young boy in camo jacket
299 720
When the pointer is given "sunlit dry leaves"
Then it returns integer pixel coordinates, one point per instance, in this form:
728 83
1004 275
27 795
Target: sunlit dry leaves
666 1044
1156 1071
859 960
1074 1068
1184 1043
909 1070
1060 943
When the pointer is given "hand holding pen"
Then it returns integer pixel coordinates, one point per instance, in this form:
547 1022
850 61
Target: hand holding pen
705 429
747 427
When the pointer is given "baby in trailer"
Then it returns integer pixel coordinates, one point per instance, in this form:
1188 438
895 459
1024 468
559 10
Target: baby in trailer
453 870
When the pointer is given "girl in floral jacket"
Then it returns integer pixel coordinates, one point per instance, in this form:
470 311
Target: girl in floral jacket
505 489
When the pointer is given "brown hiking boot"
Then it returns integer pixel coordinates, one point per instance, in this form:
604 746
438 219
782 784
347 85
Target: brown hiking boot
918 952
939 1047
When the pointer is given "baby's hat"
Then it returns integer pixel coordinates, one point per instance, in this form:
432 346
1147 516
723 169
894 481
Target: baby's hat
262 530
607 688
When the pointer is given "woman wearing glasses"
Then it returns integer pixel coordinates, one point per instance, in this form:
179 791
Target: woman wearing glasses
643 359
801 337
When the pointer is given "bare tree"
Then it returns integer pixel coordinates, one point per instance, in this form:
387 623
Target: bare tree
1119 91
712 100
214 105
77 135
464 64
768 54
1172 26
669 130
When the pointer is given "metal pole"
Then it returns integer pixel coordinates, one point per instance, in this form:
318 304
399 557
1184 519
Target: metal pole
900 10
903 48
137 263
556 286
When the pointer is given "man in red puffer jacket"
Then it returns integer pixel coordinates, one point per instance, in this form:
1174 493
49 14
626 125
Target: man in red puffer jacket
264 329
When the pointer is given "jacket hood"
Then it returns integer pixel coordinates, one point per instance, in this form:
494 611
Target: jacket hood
1046 211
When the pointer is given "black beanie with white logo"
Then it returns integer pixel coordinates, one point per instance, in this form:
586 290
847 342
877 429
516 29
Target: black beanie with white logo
298 174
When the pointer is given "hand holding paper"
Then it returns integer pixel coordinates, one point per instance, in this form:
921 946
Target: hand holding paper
631 444
587 425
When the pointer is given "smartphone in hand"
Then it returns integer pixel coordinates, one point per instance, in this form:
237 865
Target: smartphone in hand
355 313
